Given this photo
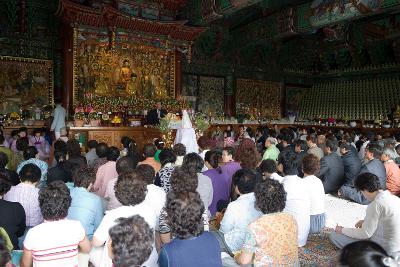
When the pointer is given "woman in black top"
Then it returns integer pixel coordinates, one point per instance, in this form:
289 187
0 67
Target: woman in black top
12 214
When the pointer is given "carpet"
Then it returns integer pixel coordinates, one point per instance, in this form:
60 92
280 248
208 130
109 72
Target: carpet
319 252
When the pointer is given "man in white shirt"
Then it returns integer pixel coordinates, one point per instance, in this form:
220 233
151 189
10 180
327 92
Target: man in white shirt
58 119
268 170
297 198
239 213
382 220
131 192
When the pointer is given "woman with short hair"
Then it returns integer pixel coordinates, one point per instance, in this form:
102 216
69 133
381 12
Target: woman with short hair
272 239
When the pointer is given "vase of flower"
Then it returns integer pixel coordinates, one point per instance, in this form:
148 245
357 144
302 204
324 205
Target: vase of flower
79 119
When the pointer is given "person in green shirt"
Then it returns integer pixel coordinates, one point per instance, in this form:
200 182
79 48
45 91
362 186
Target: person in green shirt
159 143
6 151
272 152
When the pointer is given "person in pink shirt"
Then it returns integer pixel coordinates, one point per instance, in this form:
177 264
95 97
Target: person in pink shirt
392 171
106 172
149 151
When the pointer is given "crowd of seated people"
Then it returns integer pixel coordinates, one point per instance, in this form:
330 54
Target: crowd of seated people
245 200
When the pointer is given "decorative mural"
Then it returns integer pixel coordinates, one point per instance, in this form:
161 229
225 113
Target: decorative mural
25 82
294 98
323 12
255 97
190 90
211 94
128 69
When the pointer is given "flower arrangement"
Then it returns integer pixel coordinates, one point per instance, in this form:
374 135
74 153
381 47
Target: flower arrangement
201 121
79 116
164 125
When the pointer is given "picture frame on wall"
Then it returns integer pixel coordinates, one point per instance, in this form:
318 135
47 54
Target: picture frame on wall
25 82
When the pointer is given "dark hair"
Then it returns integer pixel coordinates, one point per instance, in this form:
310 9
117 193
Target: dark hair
288 161
30 152
346 146
367 181
183 180
102 150
245 180
54 201
179 149
22 143
167 155
113 154
268 166
332 144
212 157
301 143
60 145
5 184
363 253
130 190
131 241
146 172
5 255
73 148
229 150
312 138
30 172
193 162
126 141
270 196
60 156
310 164
124 164
159 143
185 210
14 133
203 142
286 137
3 160
149 150
92 144
84 177
375 149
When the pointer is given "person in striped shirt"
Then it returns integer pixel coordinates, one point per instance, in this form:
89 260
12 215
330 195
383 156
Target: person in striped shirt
56 241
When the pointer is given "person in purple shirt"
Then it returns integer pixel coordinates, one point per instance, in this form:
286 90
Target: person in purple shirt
221 181
230 166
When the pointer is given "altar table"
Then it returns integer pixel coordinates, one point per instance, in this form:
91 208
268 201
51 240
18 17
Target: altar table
112 135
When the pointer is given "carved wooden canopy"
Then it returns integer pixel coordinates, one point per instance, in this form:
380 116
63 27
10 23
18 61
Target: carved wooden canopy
110 17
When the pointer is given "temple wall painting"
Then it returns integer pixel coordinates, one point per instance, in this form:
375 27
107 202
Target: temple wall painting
204 93
123 67
211 94
258 98
25 82
294 96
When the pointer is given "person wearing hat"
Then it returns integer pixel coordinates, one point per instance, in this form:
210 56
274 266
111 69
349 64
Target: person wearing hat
272 152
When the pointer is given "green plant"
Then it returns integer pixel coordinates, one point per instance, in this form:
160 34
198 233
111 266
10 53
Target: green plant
164 125
202 123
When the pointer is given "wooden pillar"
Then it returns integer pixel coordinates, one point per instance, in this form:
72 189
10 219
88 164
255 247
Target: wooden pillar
178 74
229 96
67 34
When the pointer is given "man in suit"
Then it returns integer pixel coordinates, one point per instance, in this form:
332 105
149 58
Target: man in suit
154 115
351 163
331 171
374 165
